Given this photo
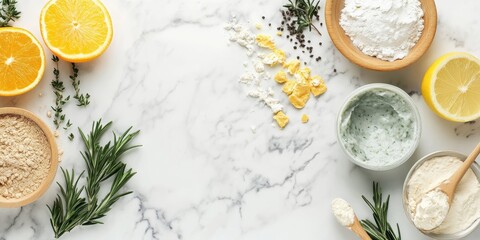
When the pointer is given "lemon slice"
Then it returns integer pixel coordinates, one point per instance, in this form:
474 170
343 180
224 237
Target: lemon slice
451 87
76 30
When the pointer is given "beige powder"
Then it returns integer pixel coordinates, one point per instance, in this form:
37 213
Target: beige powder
25 156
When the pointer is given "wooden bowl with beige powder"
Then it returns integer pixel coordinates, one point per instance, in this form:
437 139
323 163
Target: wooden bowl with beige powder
333 12
28 157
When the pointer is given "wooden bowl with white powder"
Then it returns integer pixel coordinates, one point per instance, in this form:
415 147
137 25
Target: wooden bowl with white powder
382 35
28 157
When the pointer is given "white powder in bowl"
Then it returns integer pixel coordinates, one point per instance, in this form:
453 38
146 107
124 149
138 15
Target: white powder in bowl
432 210
343 212
465 206
386 29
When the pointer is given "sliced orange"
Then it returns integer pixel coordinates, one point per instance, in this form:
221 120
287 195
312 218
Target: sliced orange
22 61
76 30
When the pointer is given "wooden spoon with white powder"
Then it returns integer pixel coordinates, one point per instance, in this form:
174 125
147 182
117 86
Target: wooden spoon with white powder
347 218
434 206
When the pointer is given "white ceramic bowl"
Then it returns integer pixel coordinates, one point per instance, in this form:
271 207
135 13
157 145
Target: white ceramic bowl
475 168
417 123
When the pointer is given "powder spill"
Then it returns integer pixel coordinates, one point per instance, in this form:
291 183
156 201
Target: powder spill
343 212
299 88
254 76
297 82
25 156
386 29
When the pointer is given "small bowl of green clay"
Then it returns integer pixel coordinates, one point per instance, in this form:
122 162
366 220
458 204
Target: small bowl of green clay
379 127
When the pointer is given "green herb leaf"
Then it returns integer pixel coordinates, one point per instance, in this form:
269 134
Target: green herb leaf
381 230
71 209
8 12
305 12
60 100
82 99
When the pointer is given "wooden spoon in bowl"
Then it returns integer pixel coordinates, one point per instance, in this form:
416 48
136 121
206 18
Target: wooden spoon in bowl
450 185
433 208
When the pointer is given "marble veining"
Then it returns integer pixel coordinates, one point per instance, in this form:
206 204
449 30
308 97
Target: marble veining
202 172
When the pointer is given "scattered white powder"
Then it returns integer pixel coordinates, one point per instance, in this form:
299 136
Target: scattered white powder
343 212
255 75
241 35
432 210
465 207
386 29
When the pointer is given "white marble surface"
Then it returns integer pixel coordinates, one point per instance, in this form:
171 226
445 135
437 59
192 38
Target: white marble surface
202 173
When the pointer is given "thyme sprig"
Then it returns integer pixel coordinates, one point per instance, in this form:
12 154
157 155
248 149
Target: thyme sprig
8 12
381 229
77 205
60 100
305 12
82 99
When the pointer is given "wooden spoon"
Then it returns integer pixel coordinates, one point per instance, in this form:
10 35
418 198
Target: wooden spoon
428 221
357 228
344 212
450 185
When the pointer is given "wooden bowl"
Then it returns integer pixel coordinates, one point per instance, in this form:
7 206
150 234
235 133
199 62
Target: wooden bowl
12 203
343 43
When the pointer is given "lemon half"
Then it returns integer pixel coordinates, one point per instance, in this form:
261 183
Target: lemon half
451 87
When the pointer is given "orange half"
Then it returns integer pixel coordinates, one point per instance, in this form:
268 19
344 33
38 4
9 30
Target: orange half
76 30
22 61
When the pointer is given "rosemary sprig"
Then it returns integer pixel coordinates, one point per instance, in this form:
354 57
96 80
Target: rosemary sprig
381 230
71 208
8 12
82 99
60 100
304 11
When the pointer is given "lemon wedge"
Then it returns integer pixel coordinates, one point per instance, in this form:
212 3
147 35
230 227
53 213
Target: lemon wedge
451 87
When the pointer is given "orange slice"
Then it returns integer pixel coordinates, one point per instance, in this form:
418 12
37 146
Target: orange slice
76 30
22 61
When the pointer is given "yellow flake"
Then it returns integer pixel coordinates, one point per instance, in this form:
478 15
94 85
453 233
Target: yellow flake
279 33
318 86
288 87
280 55
281 77
305 118
303 75
292 66
300 95
274 58
281 118
258 26
265 41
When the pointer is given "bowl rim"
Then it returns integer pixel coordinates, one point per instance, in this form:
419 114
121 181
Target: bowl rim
476 170
413 107
13 203
375 63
